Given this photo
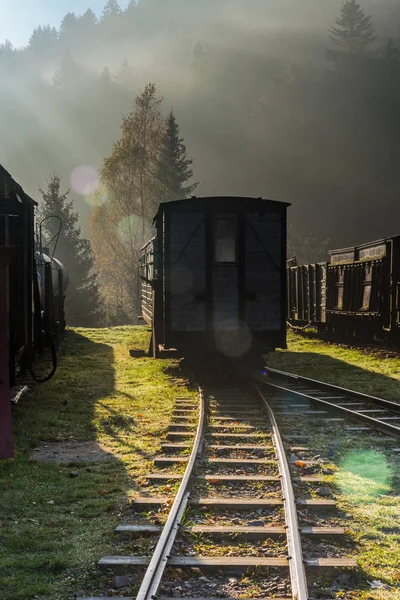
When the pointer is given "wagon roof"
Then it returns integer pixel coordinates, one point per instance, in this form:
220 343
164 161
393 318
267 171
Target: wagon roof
4 174
209 199
365 245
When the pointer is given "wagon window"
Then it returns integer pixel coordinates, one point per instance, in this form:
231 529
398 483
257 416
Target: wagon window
339 287
225 235
367 287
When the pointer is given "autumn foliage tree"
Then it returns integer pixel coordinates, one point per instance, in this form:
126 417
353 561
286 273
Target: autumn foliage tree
147 164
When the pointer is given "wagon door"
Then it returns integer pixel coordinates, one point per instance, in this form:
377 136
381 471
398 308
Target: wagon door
186 275
263 272
225 279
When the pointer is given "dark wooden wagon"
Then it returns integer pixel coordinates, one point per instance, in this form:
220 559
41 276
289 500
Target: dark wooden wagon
355 295
306 286
213 277
364 290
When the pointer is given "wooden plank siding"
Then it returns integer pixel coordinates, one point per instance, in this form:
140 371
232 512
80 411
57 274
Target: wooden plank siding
187 272
263 283
147 302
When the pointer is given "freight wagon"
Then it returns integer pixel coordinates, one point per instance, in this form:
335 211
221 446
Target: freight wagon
213 277
354 295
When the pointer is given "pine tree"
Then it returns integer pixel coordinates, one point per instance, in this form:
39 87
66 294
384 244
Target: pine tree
69 73
83 304
88 20
174 167
7 48
106 81
390 51
111 9
7 56
43 40
354 31
200 59
68 26
124 75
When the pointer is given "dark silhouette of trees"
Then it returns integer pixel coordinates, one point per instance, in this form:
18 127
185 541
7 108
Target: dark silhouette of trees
390 52
264 114
83 304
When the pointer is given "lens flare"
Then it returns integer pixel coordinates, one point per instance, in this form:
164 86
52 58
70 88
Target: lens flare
85 180
233 338
364 475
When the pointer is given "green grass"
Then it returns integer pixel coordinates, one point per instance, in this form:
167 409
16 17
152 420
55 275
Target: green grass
54 528
366 485
375 372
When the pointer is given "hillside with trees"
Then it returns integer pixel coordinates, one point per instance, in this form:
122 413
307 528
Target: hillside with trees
292 101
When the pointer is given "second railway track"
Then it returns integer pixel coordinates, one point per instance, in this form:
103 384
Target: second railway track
375 413
236 509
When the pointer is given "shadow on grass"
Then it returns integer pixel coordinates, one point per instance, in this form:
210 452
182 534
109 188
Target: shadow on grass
340 372
57 521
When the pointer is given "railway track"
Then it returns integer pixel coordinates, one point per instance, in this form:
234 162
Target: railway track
375 413
237 507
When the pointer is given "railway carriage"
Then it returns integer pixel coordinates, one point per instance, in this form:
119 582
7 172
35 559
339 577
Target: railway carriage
306 287
33 284
356 294
213 277
363 290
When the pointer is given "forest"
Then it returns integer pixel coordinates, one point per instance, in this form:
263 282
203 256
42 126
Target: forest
293 101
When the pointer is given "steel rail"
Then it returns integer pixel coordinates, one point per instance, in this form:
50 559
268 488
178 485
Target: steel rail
158 562
296 563
335 388
376 423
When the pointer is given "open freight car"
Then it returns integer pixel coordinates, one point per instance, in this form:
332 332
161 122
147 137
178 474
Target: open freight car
213 277
306 296
355 295
363 290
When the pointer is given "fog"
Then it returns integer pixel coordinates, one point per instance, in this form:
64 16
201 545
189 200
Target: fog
261 108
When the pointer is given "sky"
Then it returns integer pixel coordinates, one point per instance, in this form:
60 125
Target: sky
18 18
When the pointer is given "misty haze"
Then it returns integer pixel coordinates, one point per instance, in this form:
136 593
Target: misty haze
268 99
